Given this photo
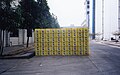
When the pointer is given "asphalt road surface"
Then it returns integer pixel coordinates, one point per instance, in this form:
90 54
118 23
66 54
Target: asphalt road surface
103 60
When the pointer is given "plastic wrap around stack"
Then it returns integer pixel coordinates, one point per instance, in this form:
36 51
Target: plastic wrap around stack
64 41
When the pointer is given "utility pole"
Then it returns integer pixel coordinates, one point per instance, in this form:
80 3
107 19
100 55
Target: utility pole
93 21
102 19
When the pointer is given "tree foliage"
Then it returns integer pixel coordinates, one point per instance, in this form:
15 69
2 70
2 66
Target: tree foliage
8 16
36 15
28 14
27 10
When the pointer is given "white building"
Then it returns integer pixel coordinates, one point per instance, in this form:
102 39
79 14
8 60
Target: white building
106 17
20 39
119 15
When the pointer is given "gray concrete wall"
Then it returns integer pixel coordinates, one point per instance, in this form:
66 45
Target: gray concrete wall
22 39
6 40
21 36
13 41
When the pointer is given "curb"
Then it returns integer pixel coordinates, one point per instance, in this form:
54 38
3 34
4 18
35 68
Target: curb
24 56
113 44
18 51
108 44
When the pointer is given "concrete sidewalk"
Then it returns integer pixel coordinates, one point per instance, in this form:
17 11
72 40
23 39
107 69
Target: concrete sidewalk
18 51
7 50
117 44
112 43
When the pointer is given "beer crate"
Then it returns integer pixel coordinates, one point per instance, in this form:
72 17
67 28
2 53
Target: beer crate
63 35
47 31
68 35
80 50
70 50
64 41
74 50
48 44
68 30
59 50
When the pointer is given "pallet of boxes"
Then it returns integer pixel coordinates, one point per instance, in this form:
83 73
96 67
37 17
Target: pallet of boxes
63 41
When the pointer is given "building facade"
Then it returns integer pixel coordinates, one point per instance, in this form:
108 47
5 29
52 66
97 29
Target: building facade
87 3
119 15
20 39
104 18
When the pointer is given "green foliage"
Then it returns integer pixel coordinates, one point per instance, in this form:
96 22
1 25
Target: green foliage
29 14
8 16
36 15
27 9
54 22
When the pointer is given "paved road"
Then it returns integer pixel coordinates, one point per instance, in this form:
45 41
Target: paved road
104 60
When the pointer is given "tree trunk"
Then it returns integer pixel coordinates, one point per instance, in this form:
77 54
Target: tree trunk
7 39
27 41
29 34
2 44
0 41
23 39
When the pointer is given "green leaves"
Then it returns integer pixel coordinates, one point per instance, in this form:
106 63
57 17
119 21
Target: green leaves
7 16
28 14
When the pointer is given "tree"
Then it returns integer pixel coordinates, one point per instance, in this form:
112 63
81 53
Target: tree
29 14
7 19
54 21
36 14
45 18
43 14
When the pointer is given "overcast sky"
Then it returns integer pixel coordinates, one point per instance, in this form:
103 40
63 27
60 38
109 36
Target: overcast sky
68 11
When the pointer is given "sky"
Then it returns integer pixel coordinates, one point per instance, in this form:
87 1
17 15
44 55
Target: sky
71 12
68 12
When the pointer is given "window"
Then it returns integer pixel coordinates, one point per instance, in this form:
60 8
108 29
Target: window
88 6
88 12
88 2
14 33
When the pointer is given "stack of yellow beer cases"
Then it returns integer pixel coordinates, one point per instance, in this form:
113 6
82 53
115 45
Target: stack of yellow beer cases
74 41
42 42
80 41
48 42
36 43
86 42
64 41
